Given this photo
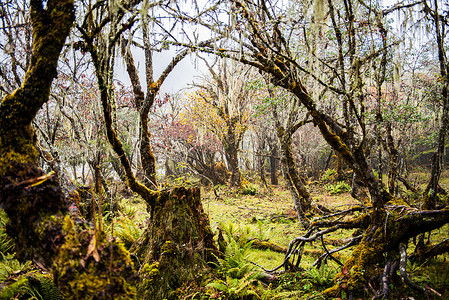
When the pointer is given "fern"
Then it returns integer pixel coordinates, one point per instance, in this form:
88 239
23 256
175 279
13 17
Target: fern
329 175
339 187
9 266
235 263
6 243
33 286
127 231
237 288
323 277
262 233
43 287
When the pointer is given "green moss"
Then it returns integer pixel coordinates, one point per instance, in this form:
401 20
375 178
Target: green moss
89 267
176 246
11 291
361 266
169 248
151 270
398 202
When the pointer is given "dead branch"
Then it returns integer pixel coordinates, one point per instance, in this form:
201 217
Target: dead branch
352 242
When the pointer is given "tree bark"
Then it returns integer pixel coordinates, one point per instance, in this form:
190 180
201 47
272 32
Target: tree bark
230 144
301 196
394 156
273 164
176 245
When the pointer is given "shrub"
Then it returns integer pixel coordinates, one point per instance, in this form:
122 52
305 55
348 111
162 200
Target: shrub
249 189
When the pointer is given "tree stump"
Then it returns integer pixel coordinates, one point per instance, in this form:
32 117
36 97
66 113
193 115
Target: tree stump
176 246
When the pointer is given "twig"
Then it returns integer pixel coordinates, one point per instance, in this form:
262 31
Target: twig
359 208
328 253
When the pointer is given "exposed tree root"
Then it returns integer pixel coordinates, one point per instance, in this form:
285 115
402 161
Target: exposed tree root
403 269
380 233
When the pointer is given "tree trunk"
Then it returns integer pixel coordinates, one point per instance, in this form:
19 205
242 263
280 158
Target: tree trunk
301 196
394 155
146 153
96 170
340 172
176 246
273 164
231 154
80 258
437 159
431 189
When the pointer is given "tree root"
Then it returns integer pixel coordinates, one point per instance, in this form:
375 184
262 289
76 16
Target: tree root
403 270
379 234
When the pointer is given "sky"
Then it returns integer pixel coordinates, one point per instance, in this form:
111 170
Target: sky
180 78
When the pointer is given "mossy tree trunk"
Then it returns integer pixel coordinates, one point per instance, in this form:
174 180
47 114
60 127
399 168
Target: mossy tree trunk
231 143
394 156
273 162
301 196
176 246
79 258
23 202
295 184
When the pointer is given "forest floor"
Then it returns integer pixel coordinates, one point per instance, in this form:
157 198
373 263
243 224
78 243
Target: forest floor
269 215
255 213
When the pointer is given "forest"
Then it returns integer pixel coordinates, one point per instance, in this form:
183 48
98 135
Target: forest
305 157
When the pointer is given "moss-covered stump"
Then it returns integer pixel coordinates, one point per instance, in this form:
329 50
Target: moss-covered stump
90 267
176 246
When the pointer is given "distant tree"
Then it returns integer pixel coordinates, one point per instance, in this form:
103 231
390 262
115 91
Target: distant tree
222 106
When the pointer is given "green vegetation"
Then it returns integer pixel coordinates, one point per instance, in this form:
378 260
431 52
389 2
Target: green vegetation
243 220
337 188
21 280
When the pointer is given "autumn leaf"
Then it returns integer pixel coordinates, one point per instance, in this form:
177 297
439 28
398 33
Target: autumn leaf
92 249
